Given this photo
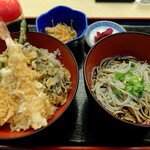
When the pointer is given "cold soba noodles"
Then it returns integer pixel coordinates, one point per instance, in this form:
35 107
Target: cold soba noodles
122 86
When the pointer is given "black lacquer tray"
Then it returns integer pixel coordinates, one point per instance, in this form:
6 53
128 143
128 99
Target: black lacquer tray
84 123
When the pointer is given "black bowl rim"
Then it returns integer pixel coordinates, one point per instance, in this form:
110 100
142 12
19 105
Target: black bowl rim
89 89
77 83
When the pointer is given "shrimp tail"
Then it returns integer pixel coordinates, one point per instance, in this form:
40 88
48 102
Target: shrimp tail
4 33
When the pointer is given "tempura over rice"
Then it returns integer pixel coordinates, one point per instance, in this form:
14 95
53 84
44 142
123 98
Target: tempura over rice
33 84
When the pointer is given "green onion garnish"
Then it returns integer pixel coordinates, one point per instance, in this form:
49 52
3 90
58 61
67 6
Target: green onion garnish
117 92
133 84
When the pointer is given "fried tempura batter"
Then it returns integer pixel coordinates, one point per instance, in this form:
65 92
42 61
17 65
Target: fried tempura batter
24 103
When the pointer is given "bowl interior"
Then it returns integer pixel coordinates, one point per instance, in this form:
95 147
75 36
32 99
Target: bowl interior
62 14
67 59
123 44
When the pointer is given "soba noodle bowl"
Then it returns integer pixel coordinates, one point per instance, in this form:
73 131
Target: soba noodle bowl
122 86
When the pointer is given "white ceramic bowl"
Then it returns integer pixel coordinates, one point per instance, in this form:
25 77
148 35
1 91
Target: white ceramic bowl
100 26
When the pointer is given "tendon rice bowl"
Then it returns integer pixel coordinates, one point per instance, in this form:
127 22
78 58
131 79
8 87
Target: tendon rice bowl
33 86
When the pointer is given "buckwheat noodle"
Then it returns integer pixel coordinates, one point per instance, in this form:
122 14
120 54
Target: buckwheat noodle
122 86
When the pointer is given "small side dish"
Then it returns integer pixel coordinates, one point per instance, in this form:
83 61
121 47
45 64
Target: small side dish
66 24
62 32
103 34
100 29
